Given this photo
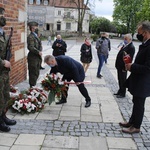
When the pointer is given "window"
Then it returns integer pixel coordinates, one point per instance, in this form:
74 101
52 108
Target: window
59 12
68 14
38 2
58 26
45 2
31 2
47 27
68 26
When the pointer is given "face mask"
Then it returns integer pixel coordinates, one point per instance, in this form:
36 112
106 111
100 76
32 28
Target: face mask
125 42
36 31
2 21
140 37
51 66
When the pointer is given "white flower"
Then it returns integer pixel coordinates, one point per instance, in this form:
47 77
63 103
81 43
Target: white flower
61 83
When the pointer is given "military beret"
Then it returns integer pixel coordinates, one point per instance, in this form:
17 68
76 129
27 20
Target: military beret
2 10
33 23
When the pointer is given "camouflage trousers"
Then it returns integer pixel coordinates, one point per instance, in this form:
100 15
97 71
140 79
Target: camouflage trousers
34 70
4 91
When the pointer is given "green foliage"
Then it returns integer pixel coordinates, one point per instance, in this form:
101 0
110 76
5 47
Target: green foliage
101 24
126 13
94 37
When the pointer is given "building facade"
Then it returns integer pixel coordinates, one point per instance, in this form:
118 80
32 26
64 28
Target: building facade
15 12
54 16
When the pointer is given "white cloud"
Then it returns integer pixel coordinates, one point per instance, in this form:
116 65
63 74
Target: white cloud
104 8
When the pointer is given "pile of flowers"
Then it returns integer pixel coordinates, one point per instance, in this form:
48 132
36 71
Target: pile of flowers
55 86
29 101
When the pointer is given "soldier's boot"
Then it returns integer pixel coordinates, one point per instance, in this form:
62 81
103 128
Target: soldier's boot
3 126
7 120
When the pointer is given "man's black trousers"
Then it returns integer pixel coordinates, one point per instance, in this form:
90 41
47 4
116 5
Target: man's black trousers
122 76
137 112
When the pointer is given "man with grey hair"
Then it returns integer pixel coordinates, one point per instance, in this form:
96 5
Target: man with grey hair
71 70
138 82
128 48
59 46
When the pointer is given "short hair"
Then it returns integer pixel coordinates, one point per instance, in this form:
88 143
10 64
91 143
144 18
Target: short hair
145 25
129 36
48 58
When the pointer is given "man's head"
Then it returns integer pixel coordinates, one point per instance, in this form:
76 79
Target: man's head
33 26
103 34
58 37
50 60
2 18
127 38
143 31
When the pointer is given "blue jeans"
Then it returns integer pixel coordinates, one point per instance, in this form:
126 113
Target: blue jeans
101 58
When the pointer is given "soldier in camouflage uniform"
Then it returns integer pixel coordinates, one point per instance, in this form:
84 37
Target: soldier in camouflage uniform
4 78
35 53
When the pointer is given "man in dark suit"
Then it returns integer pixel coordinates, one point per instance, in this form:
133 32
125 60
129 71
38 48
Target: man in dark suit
129 48
138 82
71 70
59 46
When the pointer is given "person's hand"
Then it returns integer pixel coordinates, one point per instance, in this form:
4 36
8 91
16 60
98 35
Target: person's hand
40 53
7 64
128 66
57 45
78 83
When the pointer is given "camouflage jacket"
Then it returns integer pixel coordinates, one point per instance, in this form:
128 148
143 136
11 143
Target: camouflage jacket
3 43
34 45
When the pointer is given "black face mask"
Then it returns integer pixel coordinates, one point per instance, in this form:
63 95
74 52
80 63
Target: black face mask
140 37
36 31
2 21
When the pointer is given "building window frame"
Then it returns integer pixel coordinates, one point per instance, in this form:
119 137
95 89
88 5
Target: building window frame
46 2
38 2
68 25
59 12
58 26
31 2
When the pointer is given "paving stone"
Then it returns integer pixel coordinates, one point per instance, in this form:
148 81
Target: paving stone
90 118
30 139
121 143
92 143
19 147
4 148
61 142
7 139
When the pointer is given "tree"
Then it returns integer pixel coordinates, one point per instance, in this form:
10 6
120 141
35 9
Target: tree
82 6
144 14
101 24
125 13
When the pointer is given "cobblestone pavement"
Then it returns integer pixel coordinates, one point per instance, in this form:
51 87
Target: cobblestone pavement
73 127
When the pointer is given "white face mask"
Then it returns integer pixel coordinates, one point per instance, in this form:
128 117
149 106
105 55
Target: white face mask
51 66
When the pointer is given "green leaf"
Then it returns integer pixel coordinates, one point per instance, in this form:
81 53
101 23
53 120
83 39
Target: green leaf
51 97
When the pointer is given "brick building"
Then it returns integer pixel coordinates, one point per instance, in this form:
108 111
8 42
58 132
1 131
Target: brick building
15 12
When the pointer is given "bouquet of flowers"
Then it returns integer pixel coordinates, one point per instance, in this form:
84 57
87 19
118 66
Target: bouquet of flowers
55 86
29 101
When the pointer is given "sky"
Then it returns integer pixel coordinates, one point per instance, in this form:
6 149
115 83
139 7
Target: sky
104 9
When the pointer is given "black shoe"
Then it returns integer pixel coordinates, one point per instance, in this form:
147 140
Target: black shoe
42 68
62 101
99 76
116 94
88 104
3 126
8 121
120 96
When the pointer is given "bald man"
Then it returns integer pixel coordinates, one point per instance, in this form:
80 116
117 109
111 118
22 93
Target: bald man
59 46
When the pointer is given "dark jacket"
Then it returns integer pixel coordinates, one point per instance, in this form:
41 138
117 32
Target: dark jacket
129 49
59 50
86 53
138 82
70 68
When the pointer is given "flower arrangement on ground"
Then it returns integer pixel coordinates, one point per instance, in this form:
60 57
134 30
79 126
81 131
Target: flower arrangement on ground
29 101
55 86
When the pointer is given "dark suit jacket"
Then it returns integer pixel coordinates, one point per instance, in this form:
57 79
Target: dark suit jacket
129 49
70 68
138 82
59 50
